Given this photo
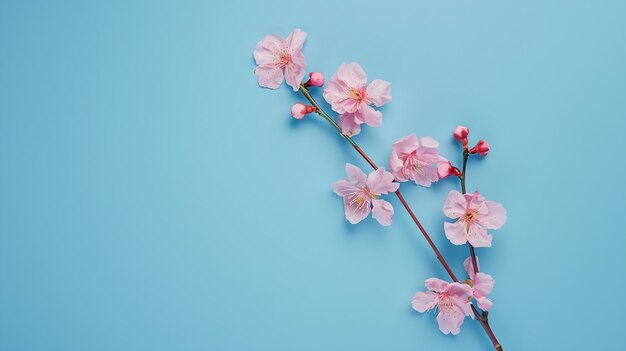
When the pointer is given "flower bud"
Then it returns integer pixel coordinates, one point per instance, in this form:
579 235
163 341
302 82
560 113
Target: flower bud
460 134
315 79
482 148
445 169
299 110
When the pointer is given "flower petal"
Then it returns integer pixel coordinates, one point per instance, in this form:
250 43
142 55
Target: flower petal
406 145
469 266
343 187
348 124
436 284
450 320
477 235
484 303
455 205
455 232
356 212
483 284
382 211
379 92
430 176
371 117
266 50
496 215
424 301
294 73
352 74
296 39
381 182
397 166
269 77
356 175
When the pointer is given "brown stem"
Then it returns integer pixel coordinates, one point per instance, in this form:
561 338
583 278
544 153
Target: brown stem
483 321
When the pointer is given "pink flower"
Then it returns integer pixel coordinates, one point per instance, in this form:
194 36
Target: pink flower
460 134
475 215
299 110
482 284
361 194
415 159
348 96
315 79
278 58
482 148
445 169
453 300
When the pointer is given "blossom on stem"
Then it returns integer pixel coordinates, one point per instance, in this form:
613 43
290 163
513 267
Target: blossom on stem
299 110
415 159
482 148
348 95
315 79
475 215
280 58
460 134
445 169
361 194
482 284
452 299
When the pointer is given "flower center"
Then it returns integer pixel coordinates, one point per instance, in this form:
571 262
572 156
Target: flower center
362 198
469 216
283 59
414 164
357 94
444 302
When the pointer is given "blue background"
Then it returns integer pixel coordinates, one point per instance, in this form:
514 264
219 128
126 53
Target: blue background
153 197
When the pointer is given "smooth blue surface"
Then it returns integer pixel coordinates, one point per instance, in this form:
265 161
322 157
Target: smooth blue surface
153 197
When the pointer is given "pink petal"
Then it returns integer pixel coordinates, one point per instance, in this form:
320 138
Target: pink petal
355 212
469 266
348 124
436 284
266 49
450 320
478 236
483 284
294 73
459 291
379 92
397 167
429 142
344 187
424 301
484 303
406 145
455 205
296 39
430 176
371 117
337 96
269 77
352 75
455 232
496 215
382 211
355 174
381 182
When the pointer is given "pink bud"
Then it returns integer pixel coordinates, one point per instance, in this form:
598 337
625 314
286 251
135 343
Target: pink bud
316 79
299 110
445 169
482 148
460 134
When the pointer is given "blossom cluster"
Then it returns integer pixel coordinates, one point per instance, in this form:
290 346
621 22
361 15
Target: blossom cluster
412 159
